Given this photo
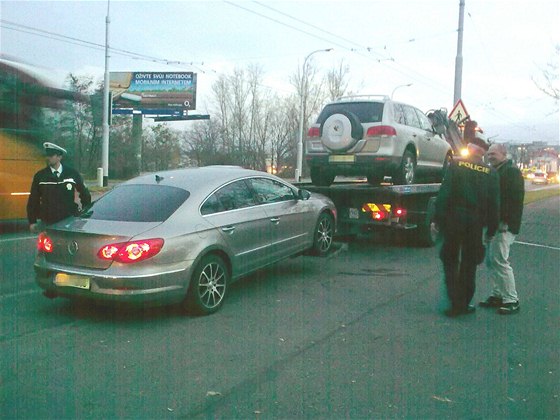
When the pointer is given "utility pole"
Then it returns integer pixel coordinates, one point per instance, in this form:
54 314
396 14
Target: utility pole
459 57
106 106
299 163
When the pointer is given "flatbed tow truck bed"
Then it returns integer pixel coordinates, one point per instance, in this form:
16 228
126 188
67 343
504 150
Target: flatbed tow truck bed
363 207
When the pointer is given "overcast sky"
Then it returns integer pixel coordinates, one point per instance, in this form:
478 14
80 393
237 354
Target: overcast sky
385 43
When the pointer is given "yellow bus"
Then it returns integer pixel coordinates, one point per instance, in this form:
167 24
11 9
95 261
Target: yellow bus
25 96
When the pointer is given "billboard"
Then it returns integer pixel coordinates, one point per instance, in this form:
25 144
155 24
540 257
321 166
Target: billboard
146 91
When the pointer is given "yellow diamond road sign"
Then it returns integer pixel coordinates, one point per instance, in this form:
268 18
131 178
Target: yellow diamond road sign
459 112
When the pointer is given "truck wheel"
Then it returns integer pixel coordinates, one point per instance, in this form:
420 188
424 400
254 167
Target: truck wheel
424 236
321 177
406 172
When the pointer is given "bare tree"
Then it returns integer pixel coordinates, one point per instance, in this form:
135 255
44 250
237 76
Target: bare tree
79 130
337 80
548 83
282 130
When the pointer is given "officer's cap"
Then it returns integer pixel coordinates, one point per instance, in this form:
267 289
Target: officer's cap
53 149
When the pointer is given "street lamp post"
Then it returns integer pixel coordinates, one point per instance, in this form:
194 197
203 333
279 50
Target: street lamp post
106 106
399 86
299 169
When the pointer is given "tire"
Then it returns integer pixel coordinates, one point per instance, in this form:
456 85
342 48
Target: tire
323 235
341 131
406 172
322 177
424 237
208 286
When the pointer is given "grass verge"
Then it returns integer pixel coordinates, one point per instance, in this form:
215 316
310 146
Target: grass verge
531 196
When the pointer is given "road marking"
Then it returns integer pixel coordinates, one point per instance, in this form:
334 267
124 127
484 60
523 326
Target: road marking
538 245
18 294
18 238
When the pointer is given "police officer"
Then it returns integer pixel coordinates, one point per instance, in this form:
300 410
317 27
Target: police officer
467 202
55 189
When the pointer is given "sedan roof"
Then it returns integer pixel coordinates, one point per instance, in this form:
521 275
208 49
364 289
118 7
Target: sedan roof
205 178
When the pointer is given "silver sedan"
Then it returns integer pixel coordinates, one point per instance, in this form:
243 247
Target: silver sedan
181 236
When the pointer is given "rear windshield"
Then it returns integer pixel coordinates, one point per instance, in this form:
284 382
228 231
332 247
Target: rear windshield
138 203
367 112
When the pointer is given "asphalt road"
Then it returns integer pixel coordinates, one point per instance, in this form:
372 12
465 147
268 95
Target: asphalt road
357 334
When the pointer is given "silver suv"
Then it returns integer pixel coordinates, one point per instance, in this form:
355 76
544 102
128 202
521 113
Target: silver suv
373 136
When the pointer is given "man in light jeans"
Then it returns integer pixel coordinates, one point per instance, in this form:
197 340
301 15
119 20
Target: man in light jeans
512 191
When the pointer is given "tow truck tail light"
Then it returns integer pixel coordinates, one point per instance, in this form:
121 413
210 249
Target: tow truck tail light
130 252
381 130
378 211
313 132
44 243
399 212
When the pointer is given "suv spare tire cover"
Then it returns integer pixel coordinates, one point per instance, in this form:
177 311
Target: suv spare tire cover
341 131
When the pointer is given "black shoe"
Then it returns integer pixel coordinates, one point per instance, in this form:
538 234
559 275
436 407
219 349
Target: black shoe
455 312
508 308
491 302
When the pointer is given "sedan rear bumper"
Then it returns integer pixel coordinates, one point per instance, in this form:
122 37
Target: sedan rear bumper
166 288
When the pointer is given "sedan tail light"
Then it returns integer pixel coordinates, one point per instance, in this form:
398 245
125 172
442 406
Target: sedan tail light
130 252
44 243
381 130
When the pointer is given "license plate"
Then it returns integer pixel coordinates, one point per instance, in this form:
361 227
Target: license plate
342 158
71 280
353 213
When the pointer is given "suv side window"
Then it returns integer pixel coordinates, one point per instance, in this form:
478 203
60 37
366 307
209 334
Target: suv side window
411 117
270 191
424 120
398 114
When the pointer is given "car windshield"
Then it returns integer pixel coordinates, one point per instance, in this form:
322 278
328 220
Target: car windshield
138 203
367 112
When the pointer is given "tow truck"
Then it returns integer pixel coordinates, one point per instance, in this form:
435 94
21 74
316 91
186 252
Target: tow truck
407 208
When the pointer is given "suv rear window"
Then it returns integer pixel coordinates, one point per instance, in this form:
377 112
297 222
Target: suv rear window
367 112
138 203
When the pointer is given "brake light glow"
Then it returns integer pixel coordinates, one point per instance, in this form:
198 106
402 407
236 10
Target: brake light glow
378 211
399 212
44 243
313 132
381 130
130 252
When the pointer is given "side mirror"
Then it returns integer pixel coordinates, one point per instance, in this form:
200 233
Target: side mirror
303 194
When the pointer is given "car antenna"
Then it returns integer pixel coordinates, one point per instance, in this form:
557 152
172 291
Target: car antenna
159 179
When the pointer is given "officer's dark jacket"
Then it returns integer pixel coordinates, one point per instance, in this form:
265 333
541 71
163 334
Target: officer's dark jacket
52 198
468 197
512 193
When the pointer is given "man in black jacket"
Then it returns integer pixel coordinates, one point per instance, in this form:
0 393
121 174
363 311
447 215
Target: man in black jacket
55 189
512 192
467 202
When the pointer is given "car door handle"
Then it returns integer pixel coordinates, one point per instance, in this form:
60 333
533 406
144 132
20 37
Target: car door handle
228 229
275 220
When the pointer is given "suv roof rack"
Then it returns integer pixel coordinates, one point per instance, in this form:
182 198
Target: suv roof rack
362 97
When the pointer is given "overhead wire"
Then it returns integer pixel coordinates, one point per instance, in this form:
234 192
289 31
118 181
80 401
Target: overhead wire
88 44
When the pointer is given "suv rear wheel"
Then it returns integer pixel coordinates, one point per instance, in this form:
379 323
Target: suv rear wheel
406 172
321 177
